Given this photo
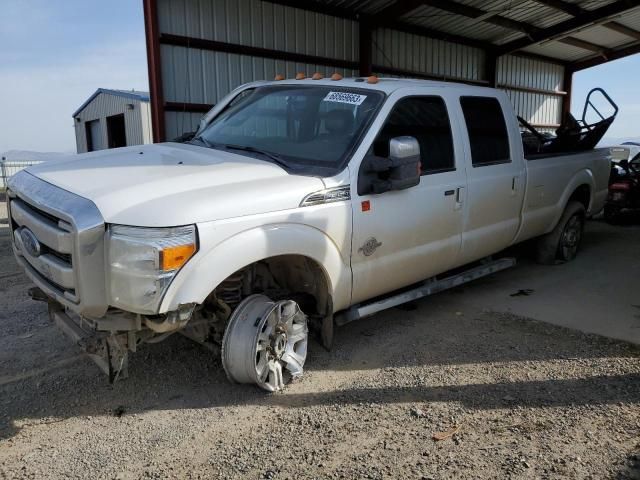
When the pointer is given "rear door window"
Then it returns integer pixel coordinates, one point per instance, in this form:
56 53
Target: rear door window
487 131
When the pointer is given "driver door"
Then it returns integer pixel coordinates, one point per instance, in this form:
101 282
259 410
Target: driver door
402 237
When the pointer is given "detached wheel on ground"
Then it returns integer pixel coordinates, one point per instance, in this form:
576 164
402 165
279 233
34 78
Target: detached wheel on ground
265 342
562 243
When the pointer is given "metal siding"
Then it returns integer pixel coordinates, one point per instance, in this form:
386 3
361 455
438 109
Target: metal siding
106 105
536 108
178 123
436 19
602 36
428 56
261 24
201 76
145 112
558 50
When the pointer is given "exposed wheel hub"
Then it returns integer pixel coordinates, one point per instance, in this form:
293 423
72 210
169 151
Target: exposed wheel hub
279 344
571 237
265 342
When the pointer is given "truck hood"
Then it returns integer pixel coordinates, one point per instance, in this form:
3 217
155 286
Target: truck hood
176 184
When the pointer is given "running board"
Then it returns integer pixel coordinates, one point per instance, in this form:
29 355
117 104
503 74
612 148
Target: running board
426 288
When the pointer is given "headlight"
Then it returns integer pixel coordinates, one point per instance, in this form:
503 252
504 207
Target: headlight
143 261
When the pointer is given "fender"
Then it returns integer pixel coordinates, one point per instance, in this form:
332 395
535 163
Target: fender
582 177
207 269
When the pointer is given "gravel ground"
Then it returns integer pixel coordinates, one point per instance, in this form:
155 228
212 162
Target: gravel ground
512 397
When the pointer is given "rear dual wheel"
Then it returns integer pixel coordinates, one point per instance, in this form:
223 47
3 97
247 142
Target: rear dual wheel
265 342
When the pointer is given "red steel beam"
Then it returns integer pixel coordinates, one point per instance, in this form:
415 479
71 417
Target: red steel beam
213 45
152 36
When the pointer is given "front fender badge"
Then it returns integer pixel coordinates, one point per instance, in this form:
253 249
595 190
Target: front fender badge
369 247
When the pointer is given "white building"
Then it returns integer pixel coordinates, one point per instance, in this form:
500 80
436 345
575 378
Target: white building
111 119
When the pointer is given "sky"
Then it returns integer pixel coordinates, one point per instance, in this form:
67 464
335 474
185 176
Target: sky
620 79
55 54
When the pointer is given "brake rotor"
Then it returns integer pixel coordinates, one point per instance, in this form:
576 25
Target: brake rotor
265 342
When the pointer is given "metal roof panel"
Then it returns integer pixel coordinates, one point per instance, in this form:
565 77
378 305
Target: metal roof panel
132 94
600 35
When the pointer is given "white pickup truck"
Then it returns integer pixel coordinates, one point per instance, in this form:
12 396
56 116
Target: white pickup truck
298 205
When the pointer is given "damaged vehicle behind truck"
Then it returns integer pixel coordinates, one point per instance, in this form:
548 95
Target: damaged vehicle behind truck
297 206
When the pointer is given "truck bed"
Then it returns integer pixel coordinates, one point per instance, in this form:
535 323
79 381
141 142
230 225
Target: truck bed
550 180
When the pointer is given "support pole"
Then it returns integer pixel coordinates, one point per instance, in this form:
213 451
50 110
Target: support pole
491 67
152 36
566 86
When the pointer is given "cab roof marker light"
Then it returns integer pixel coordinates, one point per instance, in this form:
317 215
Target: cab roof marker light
330 195
336 76
317 76
279 77
300 76
372 79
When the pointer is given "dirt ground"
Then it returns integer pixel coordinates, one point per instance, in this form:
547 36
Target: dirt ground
515 397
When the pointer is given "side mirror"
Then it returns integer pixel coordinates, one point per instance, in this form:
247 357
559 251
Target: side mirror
401 170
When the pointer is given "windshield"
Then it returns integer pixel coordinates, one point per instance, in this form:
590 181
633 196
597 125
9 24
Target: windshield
307 129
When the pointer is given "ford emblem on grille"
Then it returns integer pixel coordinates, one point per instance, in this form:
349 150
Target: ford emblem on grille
30 242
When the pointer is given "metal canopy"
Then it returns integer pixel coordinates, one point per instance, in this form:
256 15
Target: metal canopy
578 34
528 48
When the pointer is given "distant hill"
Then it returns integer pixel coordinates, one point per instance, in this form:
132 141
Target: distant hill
608 141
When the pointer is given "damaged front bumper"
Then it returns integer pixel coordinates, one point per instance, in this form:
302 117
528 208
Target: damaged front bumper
109 350
109 339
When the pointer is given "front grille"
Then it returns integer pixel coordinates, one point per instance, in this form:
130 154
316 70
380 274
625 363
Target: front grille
54 261
58 238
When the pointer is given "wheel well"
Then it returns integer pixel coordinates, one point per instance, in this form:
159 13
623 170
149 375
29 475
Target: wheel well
581 194
294 277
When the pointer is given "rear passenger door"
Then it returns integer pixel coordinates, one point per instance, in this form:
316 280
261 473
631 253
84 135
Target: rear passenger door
495 178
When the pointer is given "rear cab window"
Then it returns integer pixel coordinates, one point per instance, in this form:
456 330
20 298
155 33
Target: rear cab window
487 130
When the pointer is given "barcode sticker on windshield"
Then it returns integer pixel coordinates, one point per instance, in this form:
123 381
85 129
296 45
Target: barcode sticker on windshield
344 97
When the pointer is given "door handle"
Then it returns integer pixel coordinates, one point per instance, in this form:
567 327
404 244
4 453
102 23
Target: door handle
448 193
514 185
459 198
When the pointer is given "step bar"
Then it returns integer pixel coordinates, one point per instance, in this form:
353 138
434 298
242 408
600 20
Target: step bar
426 288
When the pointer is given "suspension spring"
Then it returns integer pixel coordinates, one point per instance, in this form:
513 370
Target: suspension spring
230 290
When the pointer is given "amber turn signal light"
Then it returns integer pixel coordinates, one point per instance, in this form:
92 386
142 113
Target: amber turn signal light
172 258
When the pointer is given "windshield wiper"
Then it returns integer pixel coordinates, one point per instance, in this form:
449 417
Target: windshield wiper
222 146
204 141
276 159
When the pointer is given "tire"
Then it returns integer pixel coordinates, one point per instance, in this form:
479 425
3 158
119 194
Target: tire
562 243
265 343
